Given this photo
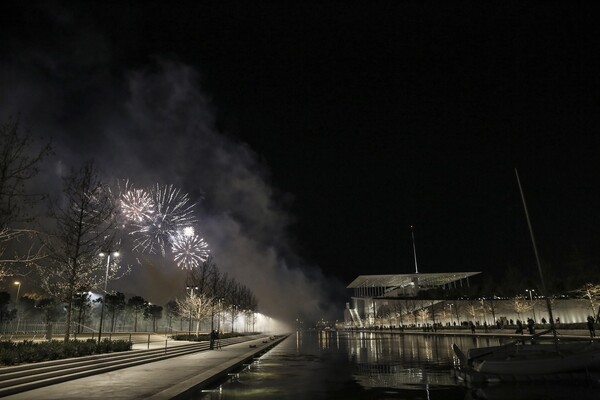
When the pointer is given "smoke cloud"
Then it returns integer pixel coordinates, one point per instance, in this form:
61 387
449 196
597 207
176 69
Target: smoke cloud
153 123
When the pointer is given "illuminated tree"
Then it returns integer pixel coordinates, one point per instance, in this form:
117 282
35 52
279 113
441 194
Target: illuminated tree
590 292
196 305
520 304
208 281
423 314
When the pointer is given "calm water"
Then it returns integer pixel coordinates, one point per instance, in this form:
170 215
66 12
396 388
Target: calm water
345 365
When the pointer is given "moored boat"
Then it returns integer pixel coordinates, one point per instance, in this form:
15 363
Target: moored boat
531 359
519 361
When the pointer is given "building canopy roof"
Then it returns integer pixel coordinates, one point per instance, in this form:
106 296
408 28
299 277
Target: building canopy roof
430 280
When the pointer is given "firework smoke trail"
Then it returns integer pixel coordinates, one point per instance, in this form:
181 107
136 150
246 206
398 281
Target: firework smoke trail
189 250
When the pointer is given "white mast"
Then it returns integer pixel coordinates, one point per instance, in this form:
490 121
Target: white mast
412 231
539 264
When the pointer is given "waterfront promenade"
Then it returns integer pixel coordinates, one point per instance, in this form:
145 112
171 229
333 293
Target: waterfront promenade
175 378
185 376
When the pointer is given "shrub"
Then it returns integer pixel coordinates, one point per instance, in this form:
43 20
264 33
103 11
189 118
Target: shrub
28 351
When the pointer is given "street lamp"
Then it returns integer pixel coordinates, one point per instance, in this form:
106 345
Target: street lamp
18 290
17 303
114 254
531 301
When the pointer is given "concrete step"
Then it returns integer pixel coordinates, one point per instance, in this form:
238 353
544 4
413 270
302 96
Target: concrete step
26 377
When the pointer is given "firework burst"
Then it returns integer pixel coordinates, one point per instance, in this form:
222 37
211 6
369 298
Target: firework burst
161 219
137 206
172 211
189 250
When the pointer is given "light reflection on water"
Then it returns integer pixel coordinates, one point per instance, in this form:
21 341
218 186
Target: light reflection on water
354 365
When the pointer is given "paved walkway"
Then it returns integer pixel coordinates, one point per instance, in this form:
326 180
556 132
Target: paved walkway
173 378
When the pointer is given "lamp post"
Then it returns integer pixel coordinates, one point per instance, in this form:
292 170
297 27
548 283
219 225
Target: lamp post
115 254
17 303
531 301
18 290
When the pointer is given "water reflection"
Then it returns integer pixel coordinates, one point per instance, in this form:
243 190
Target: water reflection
402 361
352 365
347 365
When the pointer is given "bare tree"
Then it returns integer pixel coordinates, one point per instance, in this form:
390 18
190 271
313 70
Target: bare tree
207 279
19 164
200 277
247 303
398 310
233 295
85 226
474 309
411 306
489 305
172 310
434 311
457 307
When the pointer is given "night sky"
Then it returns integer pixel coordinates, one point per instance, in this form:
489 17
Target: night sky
352 121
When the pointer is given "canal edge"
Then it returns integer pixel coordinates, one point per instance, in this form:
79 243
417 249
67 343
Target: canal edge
193 386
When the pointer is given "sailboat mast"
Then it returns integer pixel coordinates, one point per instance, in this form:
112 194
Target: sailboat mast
412 231
537 259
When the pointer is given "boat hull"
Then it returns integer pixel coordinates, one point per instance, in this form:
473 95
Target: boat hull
532 359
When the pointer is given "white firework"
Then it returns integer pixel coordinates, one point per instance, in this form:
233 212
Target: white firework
137 206
172 212
189 250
